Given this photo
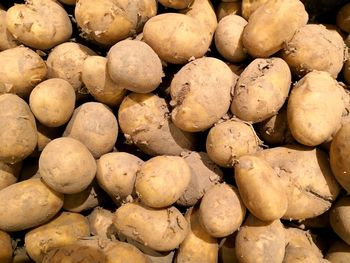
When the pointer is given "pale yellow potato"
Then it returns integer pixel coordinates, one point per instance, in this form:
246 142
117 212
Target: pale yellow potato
343 18
249 6
6 249
339 252
228 8
9 174
300 254
101 223
176 4
7 40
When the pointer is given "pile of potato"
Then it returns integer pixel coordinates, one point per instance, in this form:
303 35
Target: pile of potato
174 131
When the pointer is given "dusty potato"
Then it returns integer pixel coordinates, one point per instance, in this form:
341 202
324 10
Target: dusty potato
228 8
311 122
7 40
271 25
5 248
95 125
101 223
20 71
52 102
28 204
261 90
176 4
62 231
18 135
200 94
98 82
259 241
40 24
9 174
162 180
249 6
339 252
134 65
339 218
300 254
343 18
310 49
161 229
67 166
144 120
221 211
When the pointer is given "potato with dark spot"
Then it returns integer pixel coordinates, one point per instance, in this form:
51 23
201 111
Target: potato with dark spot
6 249
9 174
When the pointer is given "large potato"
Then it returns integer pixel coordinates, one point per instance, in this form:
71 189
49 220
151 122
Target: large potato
176 4
9 174
340 218
7 40
343 18
261 90
28 204
159 229
40 24
339 252
6 249
67 166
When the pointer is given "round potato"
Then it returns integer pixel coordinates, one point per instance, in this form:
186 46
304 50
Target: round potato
300 254
249 6
40 24
101 223
339 218
228 8
339 252
67 166
9 174
343 18
6 249
7 40
176 4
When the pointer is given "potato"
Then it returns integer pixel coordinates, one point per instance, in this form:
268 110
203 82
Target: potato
144 120
227 252
98 82
101 223
228 38
261 89
66 62
18 135
67 166
343 18
110 21
161 229
300 254
134 65
28 204
221 211
5 248
304 108
271 25
309 50
200 94
9 174
339 252
229 140
20 71
339 218
260 188
249 6
340 156
259 241
46 135
52 102
198 246
7 40
40 24
308 196
230 8
176 4
162 180
62 231
94 125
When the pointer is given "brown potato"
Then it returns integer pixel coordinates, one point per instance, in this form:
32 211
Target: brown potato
339 252
300 254
176 4
339 218
343 18
249 6
228 8
46 135
7 40
9 174
101 223
6 249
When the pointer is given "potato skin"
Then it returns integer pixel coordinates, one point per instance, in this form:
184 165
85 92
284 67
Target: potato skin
339 252
300 254
342 18
339 218
9 174
161 229
261 90
101 223
6 249
176 4
67 166
38 204
7 40
249 6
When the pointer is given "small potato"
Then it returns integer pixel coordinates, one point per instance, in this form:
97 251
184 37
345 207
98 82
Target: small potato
249 6
52 102
62 231
230 8
18 135
9 174
311 122
339 218
200 94
162 180
21 69
28 204
259 241
261 90
40 24
339 252
221 211
95 125
6 249
134 65
7 40
67 166
101 223
159 229
176 4
343 18
300 254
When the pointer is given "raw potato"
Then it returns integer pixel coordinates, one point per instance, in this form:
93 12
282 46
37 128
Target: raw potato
101 223
46 135
261 89
134 65
200 94
260 188
67 166
343 18
198 246
7 40
227 252
310 49
300 254
221 211
161 229
230 8
312 123
95 125
28 204
260 242
162 180
176 4
339 218
229 140
339 252
249 6
62 231
40 24
18 135
52 102
98 82
21 69
5 248
9 174
144 120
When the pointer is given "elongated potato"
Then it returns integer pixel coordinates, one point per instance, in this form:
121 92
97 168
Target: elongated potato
339 252
176 4
249 6
161 229
9 174
339 218
6 249
101 223
228 8
300 254
7 40
30 203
